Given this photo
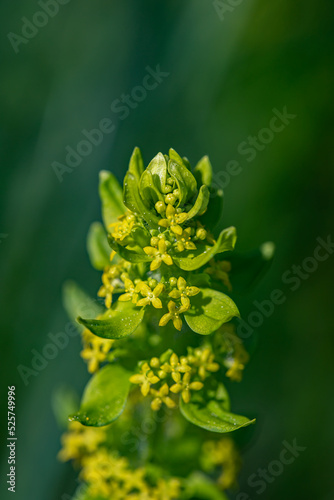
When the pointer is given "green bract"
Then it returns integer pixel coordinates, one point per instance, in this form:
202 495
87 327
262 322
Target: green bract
164 322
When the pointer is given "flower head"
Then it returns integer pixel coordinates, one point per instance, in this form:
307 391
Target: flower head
121 229
184 241
184 387
183 292
150 296
159 255
145 379
174 315
173 220
131 292
161 396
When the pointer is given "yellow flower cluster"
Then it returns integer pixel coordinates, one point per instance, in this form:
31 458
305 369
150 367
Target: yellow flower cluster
121 229
79 441
222 454
161 378
110 279
238 362
95 350
108 475
231 346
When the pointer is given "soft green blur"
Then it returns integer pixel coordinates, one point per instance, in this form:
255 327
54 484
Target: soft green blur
225 78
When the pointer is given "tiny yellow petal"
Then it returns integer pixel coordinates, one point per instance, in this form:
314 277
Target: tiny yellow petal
177 229
155 264
136 379
164 223
181 283
196 386
156 302
158 289
169 403
176 388
156 404
186 395
167 260
125 297
143 302
185 302
177 322
150 250
170 211
164 320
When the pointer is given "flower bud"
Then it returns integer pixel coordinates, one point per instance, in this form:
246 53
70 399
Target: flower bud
152 283
160 207
173 281
201 233
170 199
154 241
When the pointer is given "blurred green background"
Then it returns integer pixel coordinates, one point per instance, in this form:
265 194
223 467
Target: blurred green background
227 72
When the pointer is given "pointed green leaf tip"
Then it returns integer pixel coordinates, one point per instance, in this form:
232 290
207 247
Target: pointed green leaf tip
104 397
77 302
117 323
97 246
212 416
111 196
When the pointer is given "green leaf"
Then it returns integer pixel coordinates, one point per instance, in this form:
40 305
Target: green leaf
199 486
203 171
212 416
209 310
174 156
201 202
132 255
77 302
197 258
214 212
136 165
118 322
104 397
97 246
134 202
153 180
111 198
249 268
185 181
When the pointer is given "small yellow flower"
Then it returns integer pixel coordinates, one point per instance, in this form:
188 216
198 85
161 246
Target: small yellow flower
207 363
174 315
109 275
161 396
79 440
95 350
183 292
150 296
166 490
178 366
185 386
131 292
145 379
121 229
159 255
220 270
238 362
173 220
184 241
